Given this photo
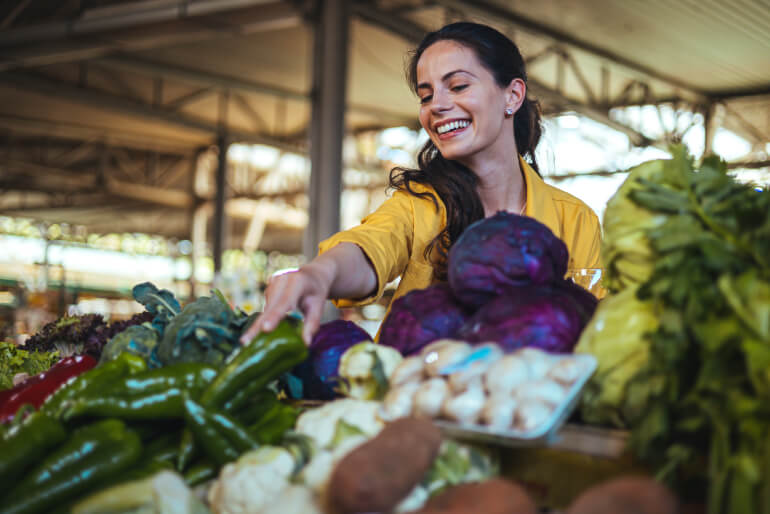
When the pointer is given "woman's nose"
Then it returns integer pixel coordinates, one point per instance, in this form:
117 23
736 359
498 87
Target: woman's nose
441 102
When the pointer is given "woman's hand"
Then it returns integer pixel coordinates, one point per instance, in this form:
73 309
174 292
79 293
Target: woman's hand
304 290
342 272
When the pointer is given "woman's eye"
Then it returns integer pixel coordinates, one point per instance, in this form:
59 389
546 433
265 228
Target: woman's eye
425 99
459 87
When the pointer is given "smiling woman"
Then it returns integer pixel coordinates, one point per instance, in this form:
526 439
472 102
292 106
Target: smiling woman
479 159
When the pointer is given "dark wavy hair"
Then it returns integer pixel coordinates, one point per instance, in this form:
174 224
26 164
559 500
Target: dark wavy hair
455 183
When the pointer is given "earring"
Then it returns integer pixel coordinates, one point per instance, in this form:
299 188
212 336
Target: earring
509 112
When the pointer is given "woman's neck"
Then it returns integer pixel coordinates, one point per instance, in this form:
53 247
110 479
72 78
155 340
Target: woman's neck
501 184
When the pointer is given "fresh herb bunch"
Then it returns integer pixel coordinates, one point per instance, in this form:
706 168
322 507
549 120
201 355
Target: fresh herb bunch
704 396
15 359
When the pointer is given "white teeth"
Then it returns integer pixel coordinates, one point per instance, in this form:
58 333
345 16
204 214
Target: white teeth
452 126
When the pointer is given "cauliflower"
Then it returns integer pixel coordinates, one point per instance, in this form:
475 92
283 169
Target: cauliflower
294 498
366 367
253 482
321 423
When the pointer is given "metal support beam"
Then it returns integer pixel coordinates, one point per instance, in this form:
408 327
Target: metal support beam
492 11
327 126
94 98
220 224
103 31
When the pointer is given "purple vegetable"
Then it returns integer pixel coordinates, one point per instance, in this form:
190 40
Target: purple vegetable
319 372
504 251
543 316
422 316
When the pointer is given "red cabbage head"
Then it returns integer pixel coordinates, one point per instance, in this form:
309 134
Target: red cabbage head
503 251
420 317
547 317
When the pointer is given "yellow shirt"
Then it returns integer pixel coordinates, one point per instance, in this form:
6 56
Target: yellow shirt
395 236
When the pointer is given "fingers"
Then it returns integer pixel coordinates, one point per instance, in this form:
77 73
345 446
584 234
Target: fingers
313 309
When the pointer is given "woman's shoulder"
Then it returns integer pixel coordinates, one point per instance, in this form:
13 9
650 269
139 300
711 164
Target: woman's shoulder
570 203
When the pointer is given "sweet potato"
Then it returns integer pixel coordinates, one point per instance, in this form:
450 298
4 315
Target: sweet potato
495 496
626 495
377 475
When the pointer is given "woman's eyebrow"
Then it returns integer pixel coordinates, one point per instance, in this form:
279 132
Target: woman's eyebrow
447 76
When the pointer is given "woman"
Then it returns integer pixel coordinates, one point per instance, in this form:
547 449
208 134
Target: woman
472 87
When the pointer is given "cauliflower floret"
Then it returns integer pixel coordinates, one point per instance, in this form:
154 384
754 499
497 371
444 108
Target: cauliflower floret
317 472
294 498
321 423
253 482
357 366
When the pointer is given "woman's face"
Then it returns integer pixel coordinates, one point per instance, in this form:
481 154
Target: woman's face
461 106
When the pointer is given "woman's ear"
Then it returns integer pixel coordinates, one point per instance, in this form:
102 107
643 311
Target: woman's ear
515 94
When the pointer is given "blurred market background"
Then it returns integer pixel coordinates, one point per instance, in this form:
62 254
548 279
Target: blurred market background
173 140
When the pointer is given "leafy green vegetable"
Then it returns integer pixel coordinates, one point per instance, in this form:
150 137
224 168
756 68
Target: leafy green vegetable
704 393
140 340
617 336
15 359
206 330
160 302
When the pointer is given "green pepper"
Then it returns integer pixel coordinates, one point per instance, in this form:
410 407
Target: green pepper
25 444
93 381
252 393
200 472
271 427
153 394
233 431
186 452
92 454
163 448
184 375
168 404
214 443
253 411
256 364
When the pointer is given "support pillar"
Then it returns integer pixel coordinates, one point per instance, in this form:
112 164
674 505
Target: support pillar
328 122
219 232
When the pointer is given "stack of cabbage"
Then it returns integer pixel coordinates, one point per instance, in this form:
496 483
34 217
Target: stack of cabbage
506 285
684 345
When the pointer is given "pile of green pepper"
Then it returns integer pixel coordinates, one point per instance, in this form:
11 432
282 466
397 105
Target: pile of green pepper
121 421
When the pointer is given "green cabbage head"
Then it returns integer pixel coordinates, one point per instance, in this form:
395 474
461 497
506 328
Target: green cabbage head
616 336
626 253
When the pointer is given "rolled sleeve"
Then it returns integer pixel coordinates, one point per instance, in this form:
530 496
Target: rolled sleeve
386 237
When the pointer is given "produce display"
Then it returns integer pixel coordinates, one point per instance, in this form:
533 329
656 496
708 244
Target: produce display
168 413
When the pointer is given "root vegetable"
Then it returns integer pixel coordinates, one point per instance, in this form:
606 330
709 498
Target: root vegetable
410 370
399 401
444 355
531 414
626 495
377 475
495 496
543 390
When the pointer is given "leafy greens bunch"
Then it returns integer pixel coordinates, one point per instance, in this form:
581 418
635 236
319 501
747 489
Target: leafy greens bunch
703 397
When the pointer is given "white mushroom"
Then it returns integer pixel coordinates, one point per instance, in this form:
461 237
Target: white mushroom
409 370
429 397
399 401
484 356
466 406
498 411
506 374
531 414
444 355
566 370
544 390
539 361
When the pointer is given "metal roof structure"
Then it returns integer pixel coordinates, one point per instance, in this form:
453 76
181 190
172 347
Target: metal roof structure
110 108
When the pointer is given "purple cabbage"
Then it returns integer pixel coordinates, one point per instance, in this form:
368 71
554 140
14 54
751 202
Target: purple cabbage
318 373
503 251
548 317
420 317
